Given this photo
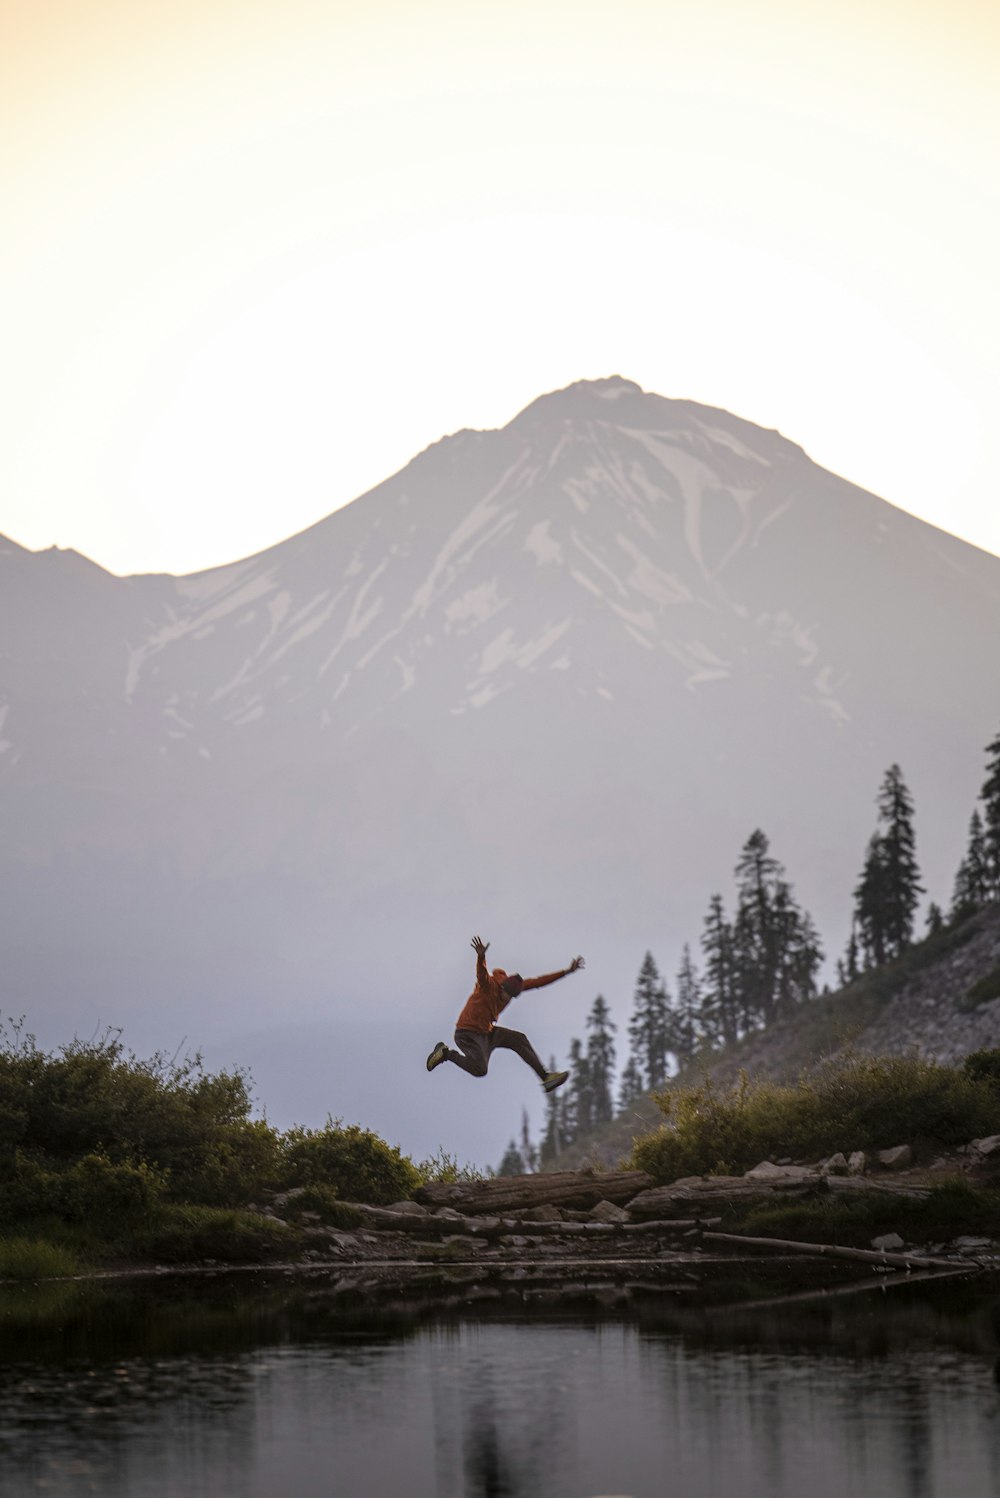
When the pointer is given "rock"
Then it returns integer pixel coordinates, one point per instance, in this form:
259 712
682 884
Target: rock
835 1166
985 1147
780 1176
543 1213
888 1243
447 1213
284 1197
857 1163
414 1208
900 1157
608 1212
967 1244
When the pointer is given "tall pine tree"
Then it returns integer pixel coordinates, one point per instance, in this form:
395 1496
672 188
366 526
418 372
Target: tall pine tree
888 892
600 1060
687 1010
630 1088
649 1027
903 887
720 1012
973 884
990 797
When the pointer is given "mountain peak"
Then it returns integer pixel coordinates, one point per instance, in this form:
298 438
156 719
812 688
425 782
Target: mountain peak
585 398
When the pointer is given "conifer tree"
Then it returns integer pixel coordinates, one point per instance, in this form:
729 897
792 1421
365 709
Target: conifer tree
649 1027
870 906
630 1088
600 1060
511 1164
720 1015
529 1151
849 966
902 876
972 882
990 797
554 1137
687 1009
935 919
577 1107
756 943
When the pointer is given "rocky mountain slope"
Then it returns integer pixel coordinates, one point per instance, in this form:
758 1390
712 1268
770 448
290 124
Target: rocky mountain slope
541 684
933 1002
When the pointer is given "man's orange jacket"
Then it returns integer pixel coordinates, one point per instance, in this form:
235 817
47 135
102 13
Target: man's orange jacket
486 1001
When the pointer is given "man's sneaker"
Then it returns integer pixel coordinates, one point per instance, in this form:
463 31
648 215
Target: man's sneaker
439 1054
553 1079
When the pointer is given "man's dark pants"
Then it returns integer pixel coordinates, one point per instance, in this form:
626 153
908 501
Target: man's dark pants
477 1048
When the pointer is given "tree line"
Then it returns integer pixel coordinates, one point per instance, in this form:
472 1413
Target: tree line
760 964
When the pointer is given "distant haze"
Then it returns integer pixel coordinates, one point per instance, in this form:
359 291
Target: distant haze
540 685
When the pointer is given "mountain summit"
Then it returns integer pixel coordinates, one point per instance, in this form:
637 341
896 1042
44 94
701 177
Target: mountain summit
542 682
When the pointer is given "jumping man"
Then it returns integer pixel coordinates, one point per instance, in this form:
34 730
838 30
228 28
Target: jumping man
477 1033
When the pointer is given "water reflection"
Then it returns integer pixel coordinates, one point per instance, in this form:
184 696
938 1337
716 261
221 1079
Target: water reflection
268 1389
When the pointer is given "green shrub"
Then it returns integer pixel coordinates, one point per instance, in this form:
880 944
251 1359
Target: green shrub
324 1201
108 1194
866 1102
444 1169
96 1098
854 1221
177 1235
35 1259
984 1066
356 1163
981 992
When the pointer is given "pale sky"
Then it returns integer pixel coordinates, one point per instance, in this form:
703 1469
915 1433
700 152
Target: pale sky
258 253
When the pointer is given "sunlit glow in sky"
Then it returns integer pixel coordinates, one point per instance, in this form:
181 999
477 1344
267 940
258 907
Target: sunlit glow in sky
258 253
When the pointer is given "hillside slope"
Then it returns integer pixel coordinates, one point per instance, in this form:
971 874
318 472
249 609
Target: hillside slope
920 1003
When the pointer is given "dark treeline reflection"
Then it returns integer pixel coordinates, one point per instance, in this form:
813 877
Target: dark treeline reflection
256 1386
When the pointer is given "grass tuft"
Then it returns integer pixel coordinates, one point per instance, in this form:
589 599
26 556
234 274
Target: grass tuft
35 1259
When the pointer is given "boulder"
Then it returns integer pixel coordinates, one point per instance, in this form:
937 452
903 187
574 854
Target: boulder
835 1166
888 1243
608 1212
546 1212
857 1163
900 1157
414 1208
984 1148
780 1176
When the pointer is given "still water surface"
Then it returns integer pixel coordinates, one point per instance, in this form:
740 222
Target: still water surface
279 1392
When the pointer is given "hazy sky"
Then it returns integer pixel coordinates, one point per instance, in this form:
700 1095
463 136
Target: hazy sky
257 253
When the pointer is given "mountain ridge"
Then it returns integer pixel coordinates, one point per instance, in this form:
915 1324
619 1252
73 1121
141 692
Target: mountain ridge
544 679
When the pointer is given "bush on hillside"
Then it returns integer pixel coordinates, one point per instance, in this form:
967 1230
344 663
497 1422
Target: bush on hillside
984 1066
356 1163
983 991
857 1102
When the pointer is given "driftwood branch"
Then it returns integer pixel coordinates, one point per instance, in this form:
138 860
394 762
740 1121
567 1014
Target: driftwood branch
834 1251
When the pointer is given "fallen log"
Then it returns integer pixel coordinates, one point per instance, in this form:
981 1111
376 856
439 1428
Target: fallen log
510 1194
716 1192
834 1251
866 1186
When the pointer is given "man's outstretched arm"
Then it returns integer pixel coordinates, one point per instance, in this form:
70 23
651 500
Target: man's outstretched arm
554 977
480 947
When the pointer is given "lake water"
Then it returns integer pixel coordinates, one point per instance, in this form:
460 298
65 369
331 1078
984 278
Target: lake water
283 1390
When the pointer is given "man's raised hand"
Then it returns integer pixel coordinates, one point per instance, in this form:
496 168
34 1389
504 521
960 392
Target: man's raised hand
479 946
577 962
